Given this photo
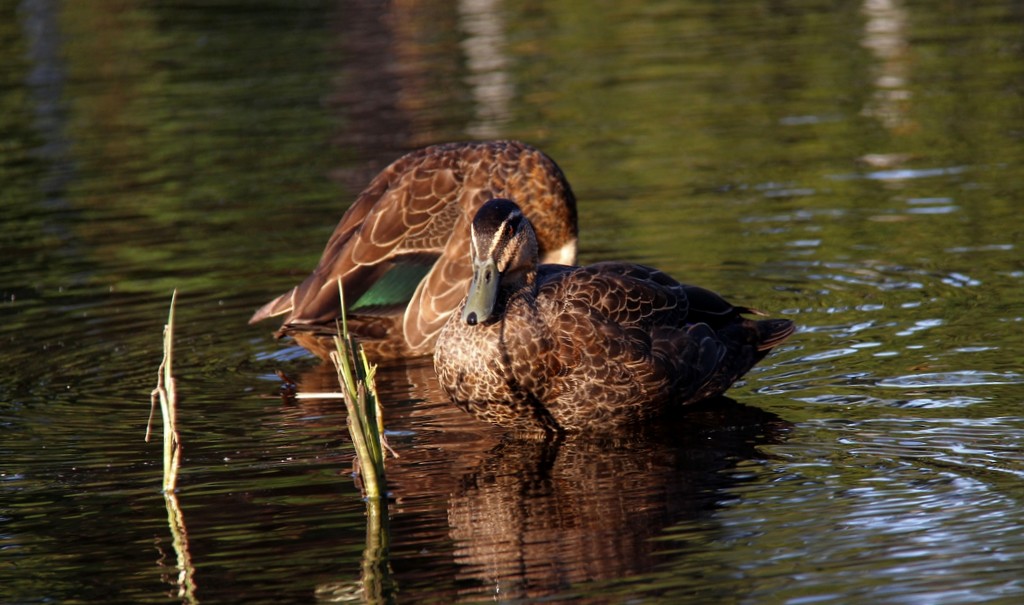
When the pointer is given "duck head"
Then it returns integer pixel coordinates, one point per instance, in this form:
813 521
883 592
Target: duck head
503 249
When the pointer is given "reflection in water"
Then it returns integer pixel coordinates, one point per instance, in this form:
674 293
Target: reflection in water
183 576
885 35
488 80
408 88
375 584
418 81
46 82
367 91
537 519
530 519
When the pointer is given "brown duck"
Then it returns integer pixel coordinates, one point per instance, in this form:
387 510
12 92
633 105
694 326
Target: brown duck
553 348
400 249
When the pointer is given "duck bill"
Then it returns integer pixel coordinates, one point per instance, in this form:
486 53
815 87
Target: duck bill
483 293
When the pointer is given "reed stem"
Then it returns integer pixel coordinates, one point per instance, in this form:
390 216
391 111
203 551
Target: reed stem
365 421
166 393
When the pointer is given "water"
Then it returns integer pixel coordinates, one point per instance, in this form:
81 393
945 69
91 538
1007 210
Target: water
853 167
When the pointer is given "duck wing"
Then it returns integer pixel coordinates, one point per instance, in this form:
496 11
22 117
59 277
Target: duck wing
401 249
631 327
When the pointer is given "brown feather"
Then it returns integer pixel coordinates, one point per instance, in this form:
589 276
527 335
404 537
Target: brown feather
422 204
595 347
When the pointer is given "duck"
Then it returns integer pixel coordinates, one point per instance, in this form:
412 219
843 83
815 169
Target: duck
553 349
399 250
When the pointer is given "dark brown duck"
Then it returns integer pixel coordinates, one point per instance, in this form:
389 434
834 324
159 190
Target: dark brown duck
400 250
552 348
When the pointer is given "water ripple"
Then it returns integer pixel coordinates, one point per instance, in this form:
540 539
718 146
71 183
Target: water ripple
921 506
956 401
983 444
904 174
962 378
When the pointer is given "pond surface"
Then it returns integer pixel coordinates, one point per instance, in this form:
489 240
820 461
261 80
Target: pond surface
856 167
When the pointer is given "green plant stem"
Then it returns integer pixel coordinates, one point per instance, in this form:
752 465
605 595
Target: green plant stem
365 422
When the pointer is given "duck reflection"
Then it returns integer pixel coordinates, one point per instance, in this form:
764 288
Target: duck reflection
528 519
534 518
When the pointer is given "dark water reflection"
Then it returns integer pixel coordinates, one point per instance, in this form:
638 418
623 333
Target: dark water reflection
525 520
855 167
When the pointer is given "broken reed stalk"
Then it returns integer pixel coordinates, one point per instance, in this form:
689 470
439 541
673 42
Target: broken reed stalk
365 422
166 393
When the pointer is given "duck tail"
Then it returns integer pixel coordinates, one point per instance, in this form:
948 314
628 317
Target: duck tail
279 306
771 332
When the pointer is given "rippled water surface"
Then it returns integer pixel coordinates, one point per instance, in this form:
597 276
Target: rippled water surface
856 167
